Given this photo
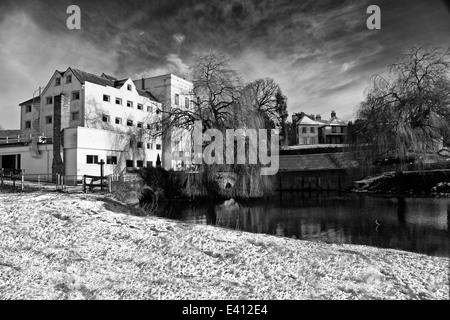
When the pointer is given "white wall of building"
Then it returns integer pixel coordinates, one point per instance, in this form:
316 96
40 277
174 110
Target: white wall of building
32 166
172 91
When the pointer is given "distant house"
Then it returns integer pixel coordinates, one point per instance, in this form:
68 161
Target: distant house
312 130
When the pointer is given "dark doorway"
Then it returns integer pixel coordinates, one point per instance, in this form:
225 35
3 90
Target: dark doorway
11 161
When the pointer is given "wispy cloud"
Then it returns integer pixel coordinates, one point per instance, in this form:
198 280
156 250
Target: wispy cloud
319 51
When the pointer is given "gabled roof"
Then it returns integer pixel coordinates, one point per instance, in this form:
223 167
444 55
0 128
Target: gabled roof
305 120
32 100
84 76
335 121
103 80
106 76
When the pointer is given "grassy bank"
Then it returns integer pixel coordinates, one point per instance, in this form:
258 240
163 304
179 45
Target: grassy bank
59 246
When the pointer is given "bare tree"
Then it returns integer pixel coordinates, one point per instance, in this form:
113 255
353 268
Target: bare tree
408 112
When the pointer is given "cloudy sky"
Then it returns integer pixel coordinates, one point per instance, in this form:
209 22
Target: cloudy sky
319 51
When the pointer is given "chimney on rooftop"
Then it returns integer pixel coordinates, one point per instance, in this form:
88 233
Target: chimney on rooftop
143 83
318 117
333 114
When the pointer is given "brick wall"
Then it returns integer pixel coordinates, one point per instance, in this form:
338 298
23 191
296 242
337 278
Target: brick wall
61 118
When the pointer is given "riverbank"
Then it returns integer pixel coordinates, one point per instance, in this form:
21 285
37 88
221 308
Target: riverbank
427 183
60 246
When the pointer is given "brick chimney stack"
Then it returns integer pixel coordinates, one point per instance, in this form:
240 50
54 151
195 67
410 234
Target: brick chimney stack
318 117
333 114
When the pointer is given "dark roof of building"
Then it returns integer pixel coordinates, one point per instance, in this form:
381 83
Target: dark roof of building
107 76
309 162
32 100
84 76
147 94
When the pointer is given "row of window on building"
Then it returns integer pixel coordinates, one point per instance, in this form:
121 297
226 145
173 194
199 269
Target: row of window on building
112 160
186 101
334 129
140 145
106 98
75 116
107 119
130 104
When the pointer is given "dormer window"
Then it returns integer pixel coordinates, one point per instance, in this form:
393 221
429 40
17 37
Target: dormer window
69 78
129 87
57 81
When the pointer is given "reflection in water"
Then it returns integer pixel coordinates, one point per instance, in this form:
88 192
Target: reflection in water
419 225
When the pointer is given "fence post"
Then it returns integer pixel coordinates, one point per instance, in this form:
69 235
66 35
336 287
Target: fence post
39 180
84 183
109 184
22 183
1 176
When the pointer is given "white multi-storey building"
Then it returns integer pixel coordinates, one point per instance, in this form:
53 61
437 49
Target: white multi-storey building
80 119
173 92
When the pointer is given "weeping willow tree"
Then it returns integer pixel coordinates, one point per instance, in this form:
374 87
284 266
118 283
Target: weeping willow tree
222 102
407 114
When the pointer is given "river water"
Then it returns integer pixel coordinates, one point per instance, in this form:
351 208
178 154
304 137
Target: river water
412 224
